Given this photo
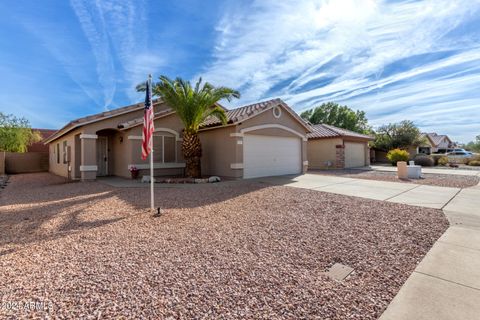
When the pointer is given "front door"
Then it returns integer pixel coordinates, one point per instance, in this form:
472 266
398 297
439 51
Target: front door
102 156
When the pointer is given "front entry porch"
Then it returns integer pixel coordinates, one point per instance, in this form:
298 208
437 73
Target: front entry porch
98 154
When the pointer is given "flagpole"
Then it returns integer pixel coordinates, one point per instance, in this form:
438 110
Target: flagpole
152 199
151 181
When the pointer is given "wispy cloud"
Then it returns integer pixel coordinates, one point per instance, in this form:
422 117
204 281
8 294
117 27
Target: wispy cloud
94 27
117 34
76 66
128 32
394 59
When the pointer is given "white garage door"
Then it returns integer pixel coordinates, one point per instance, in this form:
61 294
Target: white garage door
271 156
354 154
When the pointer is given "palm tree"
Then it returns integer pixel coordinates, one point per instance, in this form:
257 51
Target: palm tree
193 106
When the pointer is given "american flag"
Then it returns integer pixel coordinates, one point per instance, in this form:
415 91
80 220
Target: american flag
147 135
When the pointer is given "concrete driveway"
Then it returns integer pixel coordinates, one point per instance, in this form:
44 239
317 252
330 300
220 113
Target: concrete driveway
407 193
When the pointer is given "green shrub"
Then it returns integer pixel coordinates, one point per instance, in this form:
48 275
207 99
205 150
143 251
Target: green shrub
424 161
475 163
443 161
396 155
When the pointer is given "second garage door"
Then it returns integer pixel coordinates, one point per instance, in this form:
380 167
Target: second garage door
271 156
354 154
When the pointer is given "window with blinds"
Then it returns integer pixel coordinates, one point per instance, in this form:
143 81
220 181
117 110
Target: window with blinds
164 148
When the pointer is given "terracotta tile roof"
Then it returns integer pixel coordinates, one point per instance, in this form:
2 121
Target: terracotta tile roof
320 131
40 146
138 121
96 117
233 116
248 111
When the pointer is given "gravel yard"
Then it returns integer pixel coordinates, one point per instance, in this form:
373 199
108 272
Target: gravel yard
3 181
229 250
441 180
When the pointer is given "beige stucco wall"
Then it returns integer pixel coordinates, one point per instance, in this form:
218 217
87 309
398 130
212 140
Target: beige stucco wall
320 151
121 154
220 150
267 117
60 168
25 162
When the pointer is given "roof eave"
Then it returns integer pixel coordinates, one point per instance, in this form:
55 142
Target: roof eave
71 125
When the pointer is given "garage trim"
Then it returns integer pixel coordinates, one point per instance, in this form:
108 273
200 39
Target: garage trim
273 125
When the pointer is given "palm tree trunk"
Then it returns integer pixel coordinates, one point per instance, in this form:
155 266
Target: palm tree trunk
192 152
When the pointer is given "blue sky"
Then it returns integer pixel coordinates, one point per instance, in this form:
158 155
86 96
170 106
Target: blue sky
416 60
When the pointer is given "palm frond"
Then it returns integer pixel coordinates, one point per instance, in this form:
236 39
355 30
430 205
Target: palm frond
141 87
193 104
219 113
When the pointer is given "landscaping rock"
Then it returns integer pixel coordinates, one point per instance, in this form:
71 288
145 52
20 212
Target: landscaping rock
246 250
146 179
213 179
3 181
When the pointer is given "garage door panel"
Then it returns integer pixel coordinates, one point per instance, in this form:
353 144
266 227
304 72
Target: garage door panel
354 154
270 156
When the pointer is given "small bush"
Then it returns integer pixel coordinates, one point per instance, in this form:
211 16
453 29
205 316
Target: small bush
443 161
424 161
396 155
475 163
436 158
474 158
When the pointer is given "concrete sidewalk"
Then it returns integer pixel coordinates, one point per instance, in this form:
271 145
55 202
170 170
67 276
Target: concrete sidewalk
446 284
457 172
399 192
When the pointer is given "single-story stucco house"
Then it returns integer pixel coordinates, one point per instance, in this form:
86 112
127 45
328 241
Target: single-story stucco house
332 147
433 143
261 139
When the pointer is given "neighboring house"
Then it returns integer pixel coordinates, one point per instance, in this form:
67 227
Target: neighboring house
332 147
41 146
435 143
262 139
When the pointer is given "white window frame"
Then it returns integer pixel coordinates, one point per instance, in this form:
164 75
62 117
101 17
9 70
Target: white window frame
158 133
